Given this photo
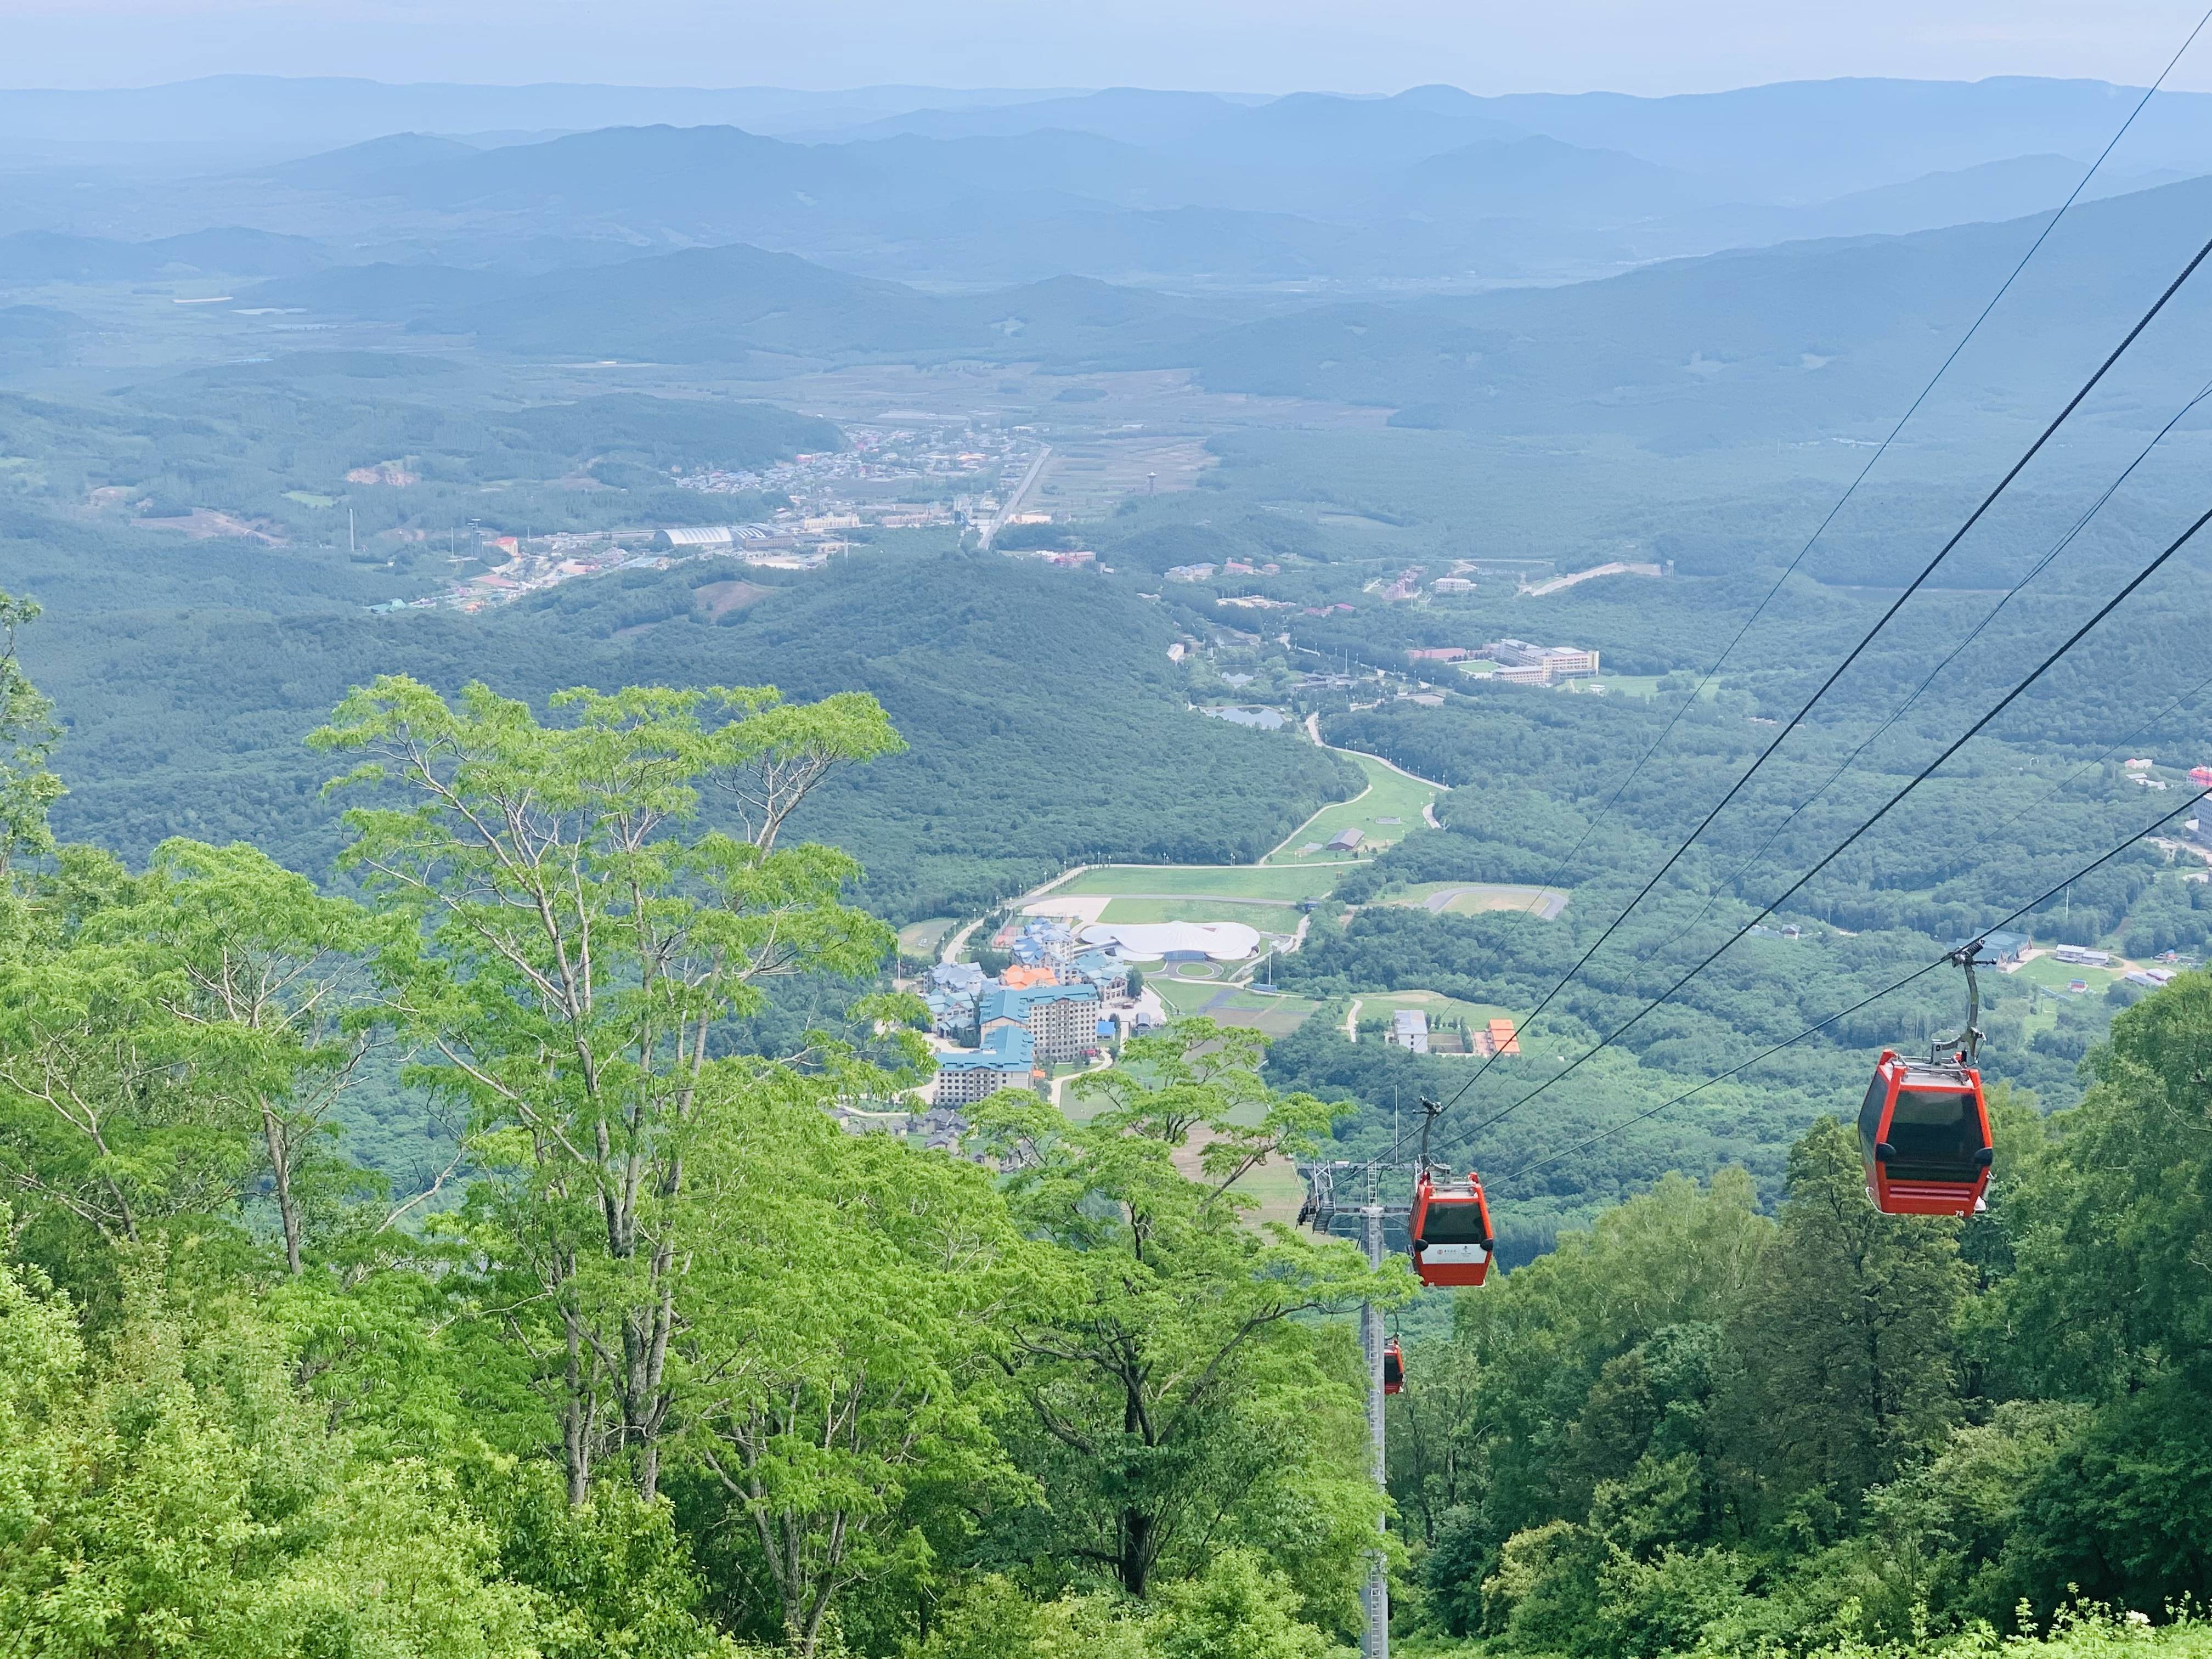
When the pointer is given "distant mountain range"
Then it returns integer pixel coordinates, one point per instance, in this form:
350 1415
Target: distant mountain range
1795 141
1306 190
302 114
1794 342
1434 253
1433 188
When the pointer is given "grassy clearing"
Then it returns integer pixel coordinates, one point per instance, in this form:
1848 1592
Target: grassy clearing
1275 1016
1474 898
1434 1003
921 939
1223 881
1389 795
1275 1184
2053 975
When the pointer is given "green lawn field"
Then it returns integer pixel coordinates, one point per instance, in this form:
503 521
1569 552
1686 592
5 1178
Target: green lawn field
1276 1016
1389 795
921 939
2052 976
1225 881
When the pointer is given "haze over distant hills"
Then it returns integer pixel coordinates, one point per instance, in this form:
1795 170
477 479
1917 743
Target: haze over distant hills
1183 191
1788 342
1271 245
301 114
1308 193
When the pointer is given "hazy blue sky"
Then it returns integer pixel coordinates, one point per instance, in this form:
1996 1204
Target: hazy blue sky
1351 45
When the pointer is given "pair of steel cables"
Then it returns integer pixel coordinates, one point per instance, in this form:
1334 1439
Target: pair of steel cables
1799 718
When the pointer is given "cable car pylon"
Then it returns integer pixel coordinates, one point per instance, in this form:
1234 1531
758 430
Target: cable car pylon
1448 1228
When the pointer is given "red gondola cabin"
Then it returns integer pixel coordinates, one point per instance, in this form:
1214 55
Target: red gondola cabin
1394 1367
1450 1232
1924 1134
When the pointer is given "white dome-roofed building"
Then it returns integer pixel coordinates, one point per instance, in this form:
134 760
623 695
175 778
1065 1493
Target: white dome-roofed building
1177 941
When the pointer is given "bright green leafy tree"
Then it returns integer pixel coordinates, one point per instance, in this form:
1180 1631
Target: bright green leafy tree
1175 1401
571 957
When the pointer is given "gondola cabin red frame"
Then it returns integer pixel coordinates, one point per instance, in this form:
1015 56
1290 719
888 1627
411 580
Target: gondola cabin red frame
1394 1367
1924 1136
1450 1229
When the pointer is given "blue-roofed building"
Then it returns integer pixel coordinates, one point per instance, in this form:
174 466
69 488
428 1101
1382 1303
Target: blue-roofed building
1109 974
1006 1059
1062 1020
2003 948
950 1014
1043 940
955 979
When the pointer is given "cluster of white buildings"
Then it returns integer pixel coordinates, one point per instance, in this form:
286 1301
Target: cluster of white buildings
876 457
1520 663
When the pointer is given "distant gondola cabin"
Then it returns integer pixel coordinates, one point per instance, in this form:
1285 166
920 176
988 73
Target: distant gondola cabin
1394 1367
1924 1136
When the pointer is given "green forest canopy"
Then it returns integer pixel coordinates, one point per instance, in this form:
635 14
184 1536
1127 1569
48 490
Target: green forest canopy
688 1369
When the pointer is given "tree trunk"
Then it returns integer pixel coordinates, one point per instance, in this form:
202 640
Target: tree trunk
576 1418
280 1174
1134 1569
645 1402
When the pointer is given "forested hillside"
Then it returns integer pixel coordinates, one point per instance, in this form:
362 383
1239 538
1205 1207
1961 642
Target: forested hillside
559 600
663 1363
1700 1428
193 720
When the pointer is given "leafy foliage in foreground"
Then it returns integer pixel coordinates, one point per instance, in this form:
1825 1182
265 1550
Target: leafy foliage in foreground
1695 1430
689 1369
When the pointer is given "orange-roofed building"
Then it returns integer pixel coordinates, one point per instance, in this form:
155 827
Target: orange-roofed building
1503 1038
1018 978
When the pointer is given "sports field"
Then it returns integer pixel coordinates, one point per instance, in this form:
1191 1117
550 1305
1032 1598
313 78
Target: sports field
1387 814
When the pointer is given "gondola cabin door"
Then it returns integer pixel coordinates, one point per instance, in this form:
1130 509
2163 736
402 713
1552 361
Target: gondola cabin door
1924 1136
